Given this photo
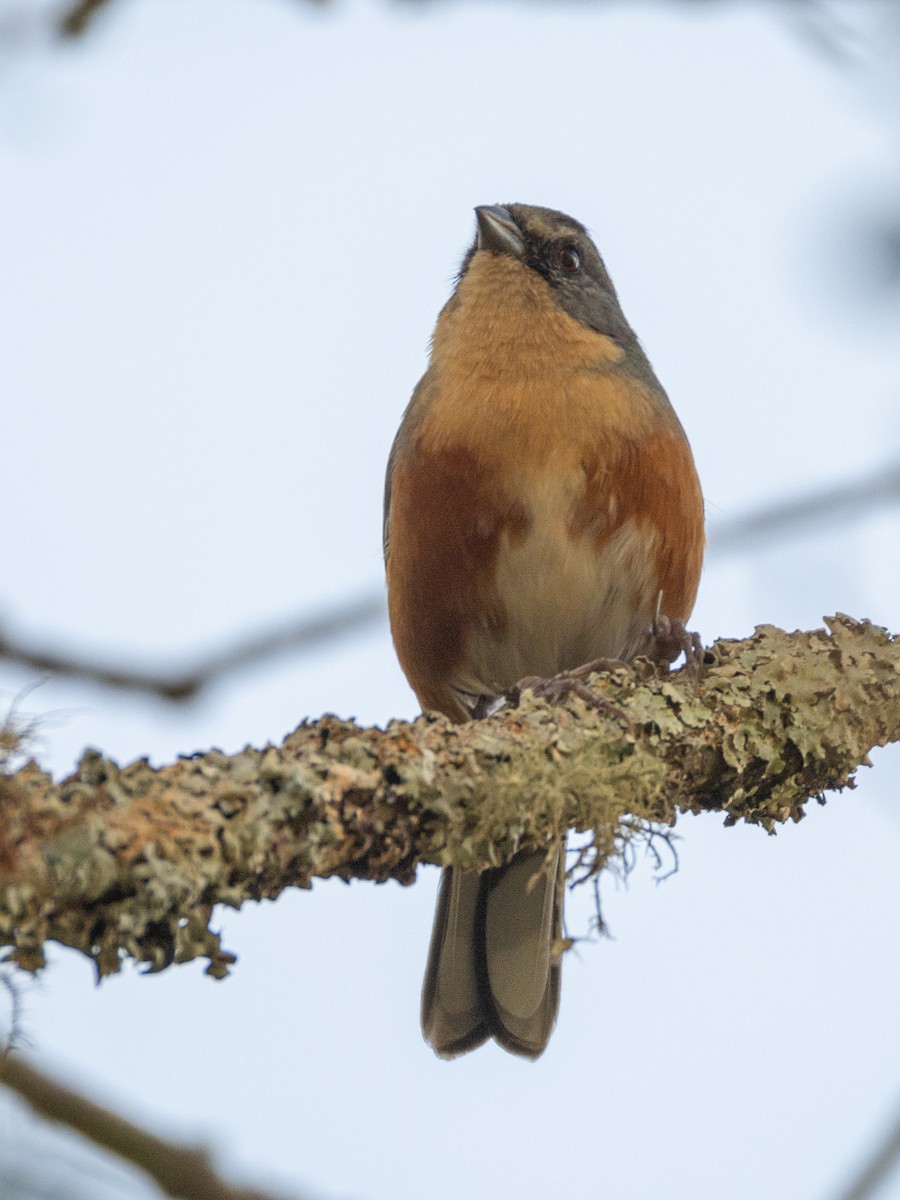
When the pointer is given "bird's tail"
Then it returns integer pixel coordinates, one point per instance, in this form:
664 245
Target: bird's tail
493 966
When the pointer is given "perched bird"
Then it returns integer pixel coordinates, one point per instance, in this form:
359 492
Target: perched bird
541 510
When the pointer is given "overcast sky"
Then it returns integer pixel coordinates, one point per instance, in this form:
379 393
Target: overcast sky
226 229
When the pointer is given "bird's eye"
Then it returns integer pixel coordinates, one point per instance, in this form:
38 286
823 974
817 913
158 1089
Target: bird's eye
569 260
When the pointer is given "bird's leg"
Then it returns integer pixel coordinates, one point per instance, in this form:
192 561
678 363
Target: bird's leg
667 638
570 683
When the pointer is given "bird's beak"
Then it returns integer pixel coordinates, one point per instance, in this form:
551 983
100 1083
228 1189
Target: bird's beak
497 231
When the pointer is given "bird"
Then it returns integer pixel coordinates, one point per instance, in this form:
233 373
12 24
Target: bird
542 510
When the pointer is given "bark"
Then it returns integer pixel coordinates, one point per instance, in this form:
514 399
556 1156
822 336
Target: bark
129 861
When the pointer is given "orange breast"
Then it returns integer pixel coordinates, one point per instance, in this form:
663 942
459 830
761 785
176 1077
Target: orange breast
497 571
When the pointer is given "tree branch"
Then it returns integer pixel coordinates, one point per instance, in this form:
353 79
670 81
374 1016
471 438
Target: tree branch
75 21
328 625
788 518
880 1166
180 1171
129 861
815 510
820 27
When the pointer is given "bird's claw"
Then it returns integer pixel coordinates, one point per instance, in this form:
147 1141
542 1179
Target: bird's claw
569 683
668 638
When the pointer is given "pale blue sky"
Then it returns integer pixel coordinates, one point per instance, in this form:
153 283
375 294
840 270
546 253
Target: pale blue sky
226 228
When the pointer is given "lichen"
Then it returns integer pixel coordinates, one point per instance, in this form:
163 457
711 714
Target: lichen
129 861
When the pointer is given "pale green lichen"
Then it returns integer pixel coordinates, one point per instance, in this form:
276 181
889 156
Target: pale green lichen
129 861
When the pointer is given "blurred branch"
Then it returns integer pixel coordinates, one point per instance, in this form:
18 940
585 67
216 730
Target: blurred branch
129 861
790 518
877 1170
829 506
820 25
75 21
305 633
180 1171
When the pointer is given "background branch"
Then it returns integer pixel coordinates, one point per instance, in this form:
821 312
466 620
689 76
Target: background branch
818 25
877 1169
180 1171
309 632
75 20
816 510
790 518
130 861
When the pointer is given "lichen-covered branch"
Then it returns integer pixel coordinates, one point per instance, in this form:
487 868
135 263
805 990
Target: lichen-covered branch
129 861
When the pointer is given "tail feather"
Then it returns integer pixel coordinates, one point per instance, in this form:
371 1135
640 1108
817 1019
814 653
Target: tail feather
522 923
492 968
452 1017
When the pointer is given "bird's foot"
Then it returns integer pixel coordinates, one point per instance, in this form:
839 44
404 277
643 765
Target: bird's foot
570 683
667 638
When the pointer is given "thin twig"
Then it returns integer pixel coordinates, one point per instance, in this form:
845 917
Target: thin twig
340 620
815 510
180 1171
354 616
878 1168
76 20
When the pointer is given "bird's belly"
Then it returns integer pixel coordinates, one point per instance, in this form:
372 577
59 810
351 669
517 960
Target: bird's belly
563 599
